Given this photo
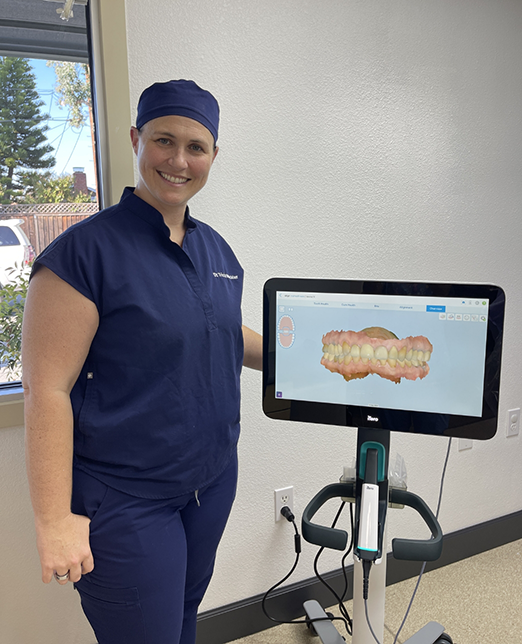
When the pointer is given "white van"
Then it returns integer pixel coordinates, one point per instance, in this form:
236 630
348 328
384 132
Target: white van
15 250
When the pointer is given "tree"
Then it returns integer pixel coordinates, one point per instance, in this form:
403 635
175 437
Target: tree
47 187
22 132
73 88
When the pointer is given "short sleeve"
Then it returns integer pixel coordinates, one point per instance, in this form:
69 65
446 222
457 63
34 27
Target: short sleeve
73 258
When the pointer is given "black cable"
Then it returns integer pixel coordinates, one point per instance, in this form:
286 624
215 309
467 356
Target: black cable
286 512
270 590
368 621
346 554
340 599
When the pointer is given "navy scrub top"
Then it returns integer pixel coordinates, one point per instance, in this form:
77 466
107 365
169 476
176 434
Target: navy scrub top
156 406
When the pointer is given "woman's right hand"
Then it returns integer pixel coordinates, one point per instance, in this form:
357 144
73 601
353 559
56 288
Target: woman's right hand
63 546
58 327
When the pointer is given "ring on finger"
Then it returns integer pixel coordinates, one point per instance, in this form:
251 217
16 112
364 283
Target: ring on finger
61 577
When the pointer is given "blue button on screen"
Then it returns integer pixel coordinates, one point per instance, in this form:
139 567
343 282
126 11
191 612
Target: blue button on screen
436 308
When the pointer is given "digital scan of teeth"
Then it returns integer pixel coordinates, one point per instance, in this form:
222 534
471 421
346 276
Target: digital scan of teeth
375 350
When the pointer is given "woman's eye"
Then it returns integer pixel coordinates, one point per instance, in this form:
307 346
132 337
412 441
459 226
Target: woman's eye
164 141
196 148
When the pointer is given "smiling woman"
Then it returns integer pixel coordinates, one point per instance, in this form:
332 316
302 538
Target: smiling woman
157 427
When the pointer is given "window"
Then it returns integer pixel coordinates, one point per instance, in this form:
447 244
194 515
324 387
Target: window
8 237
95 35
48 178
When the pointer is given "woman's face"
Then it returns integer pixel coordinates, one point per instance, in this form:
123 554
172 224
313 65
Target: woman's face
175 155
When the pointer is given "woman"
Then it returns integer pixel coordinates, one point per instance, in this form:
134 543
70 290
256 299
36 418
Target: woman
132 352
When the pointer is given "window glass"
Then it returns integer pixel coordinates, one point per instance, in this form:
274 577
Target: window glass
8 238
48 177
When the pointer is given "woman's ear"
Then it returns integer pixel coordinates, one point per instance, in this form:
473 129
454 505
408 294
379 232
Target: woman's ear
135 137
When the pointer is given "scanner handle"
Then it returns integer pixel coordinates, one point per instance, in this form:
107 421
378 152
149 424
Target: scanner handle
413 549
322 535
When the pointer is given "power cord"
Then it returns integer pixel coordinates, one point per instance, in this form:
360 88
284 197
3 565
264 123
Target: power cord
340 599
288 515
366 582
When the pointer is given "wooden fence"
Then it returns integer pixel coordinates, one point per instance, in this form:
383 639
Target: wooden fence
44 222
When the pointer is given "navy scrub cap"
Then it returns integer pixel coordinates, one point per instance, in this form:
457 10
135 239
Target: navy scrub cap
179 98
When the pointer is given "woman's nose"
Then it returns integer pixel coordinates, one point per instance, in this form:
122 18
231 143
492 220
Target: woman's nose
178 159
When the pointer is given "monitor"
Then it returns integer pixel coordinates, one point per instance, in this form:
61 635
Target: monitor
415 357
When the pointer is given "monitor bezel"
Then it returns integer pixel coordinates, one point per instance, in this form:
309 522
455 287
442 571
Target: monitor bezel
477 428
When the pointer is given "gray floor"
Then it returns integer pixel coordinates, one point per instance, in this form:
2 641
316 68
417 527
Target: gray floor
478 600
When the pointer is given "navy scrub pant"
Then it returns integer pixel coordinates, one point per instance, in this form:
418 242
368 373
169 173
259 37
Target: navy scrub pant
153 560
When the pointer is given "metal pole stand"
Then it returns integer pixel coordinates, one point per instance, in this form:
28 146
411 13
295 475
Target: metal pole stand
372 445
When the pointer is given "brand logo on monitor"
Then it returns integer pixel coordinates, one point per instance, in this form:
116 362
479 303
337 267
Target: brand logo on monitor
372 418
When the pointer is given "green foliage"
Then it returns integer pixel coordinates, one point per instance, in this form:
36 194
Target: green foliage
46 187
73 88
12 303
22 131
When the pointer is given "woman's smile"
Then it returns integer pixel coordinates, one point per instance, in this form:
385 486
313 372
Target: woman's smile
171 179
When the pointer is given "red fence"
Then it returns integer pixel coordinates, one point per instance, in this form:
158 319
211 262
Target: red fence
44 222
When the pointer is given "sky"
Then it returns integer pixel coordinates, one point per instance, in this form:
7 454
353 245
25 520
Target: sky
72 147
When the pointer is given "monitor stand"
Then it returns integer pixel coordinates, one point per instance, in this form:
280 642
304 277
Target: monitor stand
371 444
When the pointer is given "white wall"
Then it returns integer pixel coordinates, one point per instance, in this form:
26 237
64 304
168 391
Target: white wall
369 139
359 138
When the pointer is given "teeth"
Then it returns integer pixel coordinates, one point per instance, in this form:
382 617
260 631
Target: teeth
168 177
367 353
345 354
381 353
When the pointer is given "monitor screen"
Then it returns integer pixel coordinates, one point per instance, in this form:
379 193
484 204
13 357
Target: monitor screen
402 356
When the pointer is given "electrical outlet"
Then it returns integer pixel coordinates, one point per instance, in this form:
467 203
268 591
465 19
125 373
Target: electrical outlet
283 496
513 422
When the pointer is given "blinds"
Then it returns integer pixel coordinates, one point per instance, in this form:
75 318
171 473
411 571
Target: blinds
33 29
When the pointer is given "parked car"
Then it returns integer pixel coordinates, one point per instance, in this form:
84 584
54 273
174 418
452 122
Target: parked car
15 250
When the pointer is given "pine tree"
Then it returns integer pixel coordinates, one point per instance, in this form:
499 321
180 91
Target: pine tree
22 130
